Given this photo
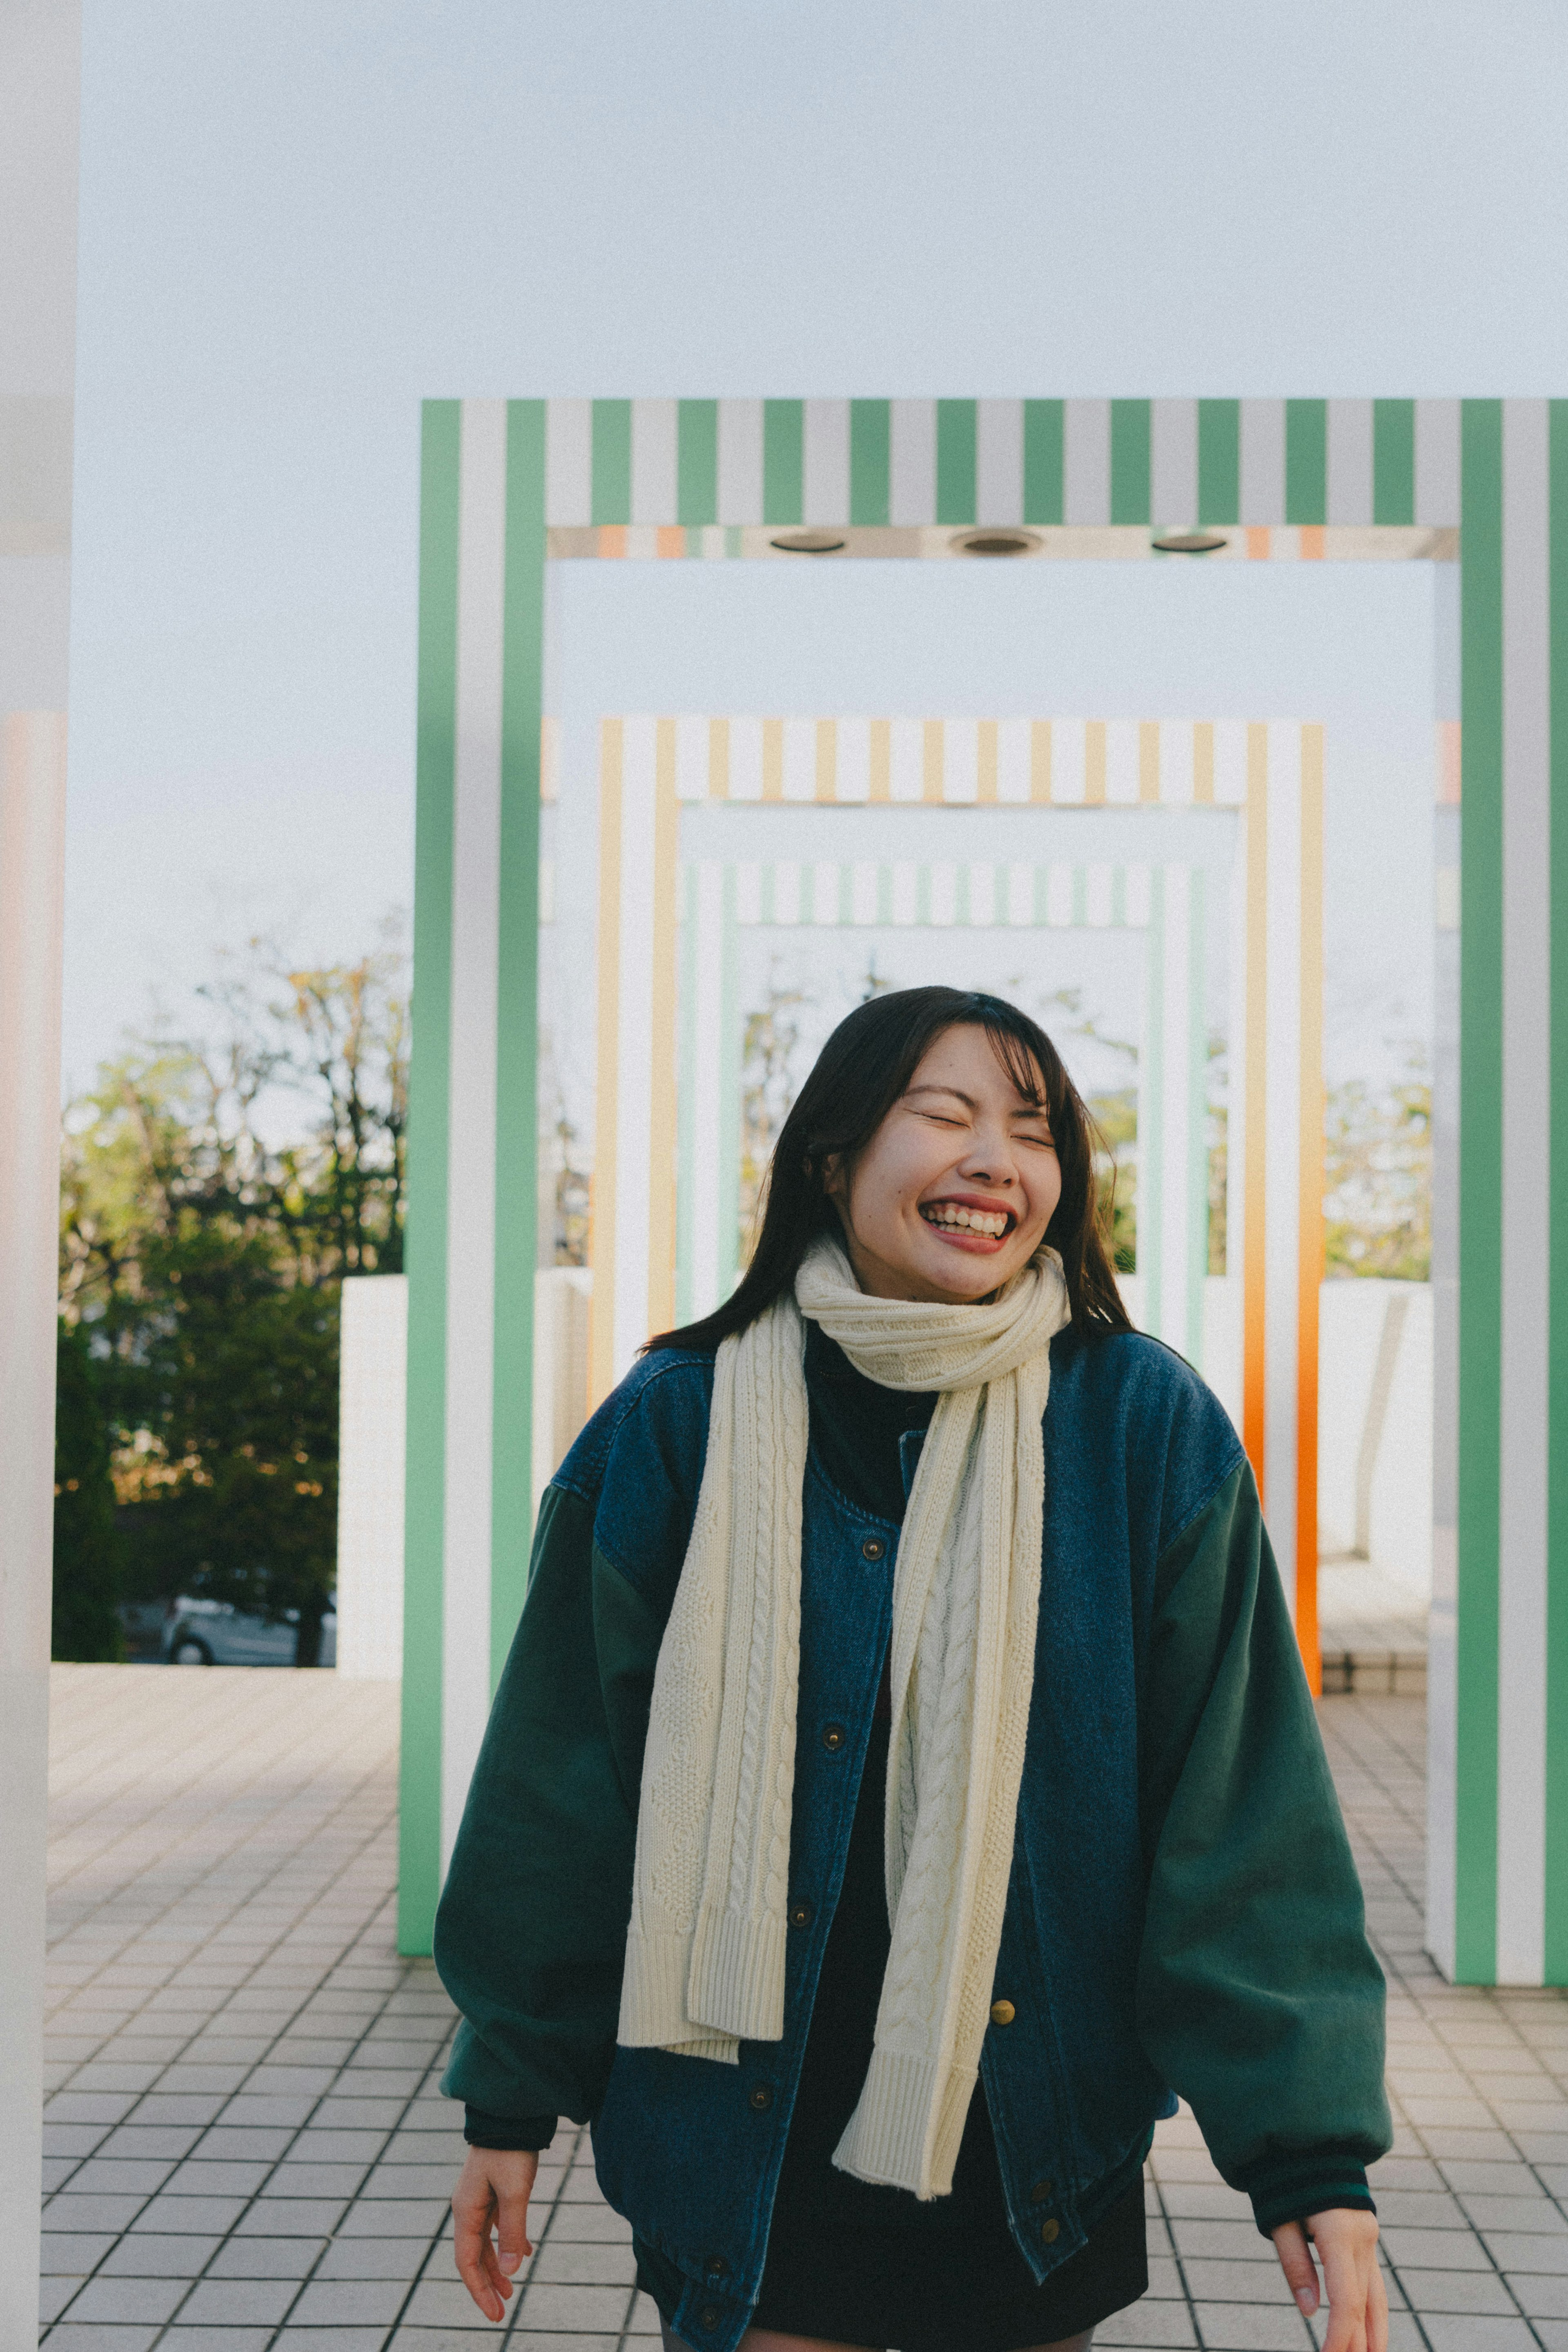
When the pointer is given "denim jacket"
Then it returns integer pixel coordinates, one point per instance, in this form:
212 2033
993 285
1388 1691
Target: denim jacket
1183 1912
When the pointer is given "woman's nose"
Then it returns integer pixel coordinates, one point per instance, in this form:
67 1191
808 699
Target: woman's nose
990 1162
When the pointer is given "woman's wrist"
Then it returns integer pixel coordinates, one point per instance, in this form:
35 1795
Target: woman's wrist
529 2134
1322 2180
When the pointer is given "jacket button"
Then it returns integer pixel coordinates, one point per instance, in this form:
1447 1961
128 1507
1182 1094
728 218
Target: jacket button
833 1738
873 1548
1049 2231
800 1914
1002 2013
1040 2194
715 2267
708 2315
761 2096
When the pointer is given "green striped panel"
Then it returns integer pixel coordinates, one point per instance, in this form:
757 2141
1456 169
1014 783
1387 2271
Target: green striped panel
1220 461
1556 1939
1306 461
1043 460
424 1251
956 430
516 1048
696 462
1481 1192
611 461
783 460
871 460
1394 461
828 905
1130 460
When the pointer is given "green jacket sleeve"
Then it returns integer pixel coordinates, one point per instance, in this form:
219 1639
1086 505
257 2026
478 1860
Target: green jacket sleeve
1258 1997
531 1932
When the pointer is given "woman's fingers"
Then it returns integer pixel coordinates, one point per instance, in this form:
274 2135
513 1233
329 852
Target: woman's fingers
1346 2243
492 2192
471 2213
1296 2262
512 2226
1376 2308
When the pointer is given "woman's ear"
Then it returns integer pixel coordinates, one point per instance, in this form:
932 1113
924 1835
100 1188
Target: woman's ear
835 1180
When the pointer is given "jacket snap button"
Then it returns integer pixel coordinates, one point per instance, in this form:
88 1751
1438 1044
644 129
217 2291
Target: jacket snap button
873 1548
833 1738
1041 2192
1002 2013
761 2096
715 2267
708 2315
1049 2231
800 1914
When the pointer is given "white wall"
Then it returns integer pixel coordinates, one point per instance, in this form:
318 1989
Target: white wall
372 1426
1375 1430
1374 1464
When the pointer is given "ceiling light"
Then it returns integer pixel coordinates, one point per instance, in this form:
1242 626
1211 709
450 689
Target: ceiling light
1191 543
995 542
808 542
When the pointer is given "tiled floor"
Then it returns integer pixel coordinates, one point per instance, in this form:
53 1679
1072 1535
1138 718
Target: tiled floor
247 2150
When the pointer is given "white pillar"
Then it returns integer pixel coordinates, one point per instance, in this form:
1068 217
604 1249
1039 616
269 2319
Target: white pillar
40 104
32 869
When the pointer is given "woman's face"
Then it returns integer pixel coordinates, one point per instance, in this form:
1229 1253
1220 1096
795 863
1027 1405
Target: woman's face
954 1191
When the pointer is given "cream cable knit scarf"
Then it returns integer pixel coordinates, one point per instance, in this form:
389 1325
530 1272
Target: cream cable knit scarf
704 1950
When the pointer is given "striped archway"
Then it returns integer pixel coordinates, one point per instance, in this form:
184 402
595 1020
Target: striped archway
507 484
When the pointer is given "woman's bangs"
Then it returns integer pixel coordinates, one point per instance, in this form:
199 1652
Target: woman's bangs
1030 1075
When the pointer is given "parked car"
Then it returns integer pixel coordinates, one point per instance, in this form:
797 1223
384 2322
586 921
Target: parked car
215 1634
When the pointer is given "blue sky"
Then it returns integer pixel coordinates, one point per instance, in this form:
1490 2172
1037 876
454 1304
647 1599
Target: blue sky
297 219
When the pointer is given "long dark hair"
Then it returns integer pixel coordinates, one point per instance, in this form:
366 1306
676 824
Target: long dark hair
860 1074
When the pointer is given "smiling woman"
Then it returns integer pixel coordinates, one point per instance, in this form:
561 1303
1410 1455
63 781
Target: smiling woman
872 1934
929 1110
952 1195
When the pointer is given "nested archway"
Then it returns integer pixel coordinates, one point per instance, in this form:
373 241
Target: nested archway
507 484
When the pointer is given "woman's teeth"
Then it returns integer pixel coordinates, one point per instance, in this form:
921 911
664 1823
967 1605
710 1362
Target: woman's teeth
991 1223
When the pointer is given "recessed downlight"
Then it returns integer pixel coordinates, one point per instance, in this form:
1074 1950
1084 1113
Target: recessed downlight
808 542
995 542
1191 543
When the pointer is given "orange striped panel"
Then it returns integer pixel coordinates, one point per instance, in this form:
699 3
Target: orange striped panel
1312 1203
1253 1297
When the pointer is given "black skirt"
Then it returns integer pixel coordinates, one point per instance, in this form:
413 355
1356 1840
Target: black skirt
856 2263
977 2293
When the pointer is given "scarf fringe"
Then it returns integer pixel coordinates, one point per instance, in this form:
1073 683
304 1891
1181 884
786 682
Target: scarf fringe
908 2123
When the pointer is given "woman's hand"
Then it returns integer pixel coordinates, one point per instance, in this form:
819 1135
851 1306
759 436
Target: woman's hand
1346 2242
493 2190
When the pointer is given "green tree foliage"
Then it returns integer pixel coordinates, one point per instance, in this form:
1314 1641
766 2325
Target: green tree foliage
87 1545
201 1259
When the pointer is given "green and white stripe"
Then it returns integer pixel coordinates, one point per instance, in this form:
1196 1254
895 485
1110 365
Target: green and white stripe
472 1128
738 463
977 893
1299 470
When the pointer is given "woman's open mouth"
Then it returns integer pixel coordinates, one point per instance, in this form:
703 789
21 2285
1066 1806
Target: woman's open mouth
978 1231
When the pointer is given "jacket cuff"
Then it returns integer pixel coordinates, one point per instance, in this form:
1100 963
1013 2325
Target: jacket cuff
1289 2187
530 2133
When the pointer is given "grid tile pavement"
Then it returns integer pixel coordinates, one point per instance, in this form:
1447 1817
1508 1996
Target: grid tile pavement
247 2151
